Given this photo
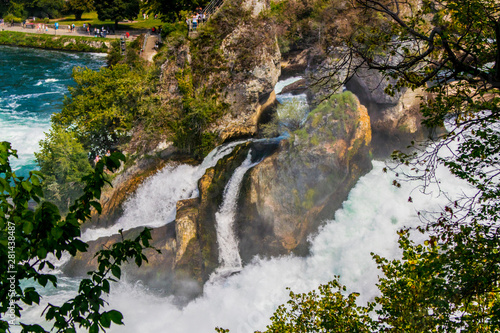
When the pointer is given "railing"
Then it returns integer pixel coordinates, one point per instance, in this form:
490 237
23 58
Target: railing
212 7
145 42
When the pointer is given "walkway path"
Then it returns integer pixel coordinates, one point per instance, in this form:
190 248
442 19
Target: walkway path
66 32
149 50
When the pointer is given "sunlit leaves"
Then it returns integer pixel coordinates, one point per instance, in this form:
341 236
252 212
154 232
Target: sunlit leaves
102 106
325 310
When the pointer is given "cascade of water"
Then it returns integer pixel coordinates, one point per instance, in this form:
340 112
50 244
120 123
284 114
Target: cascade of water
243 303
368 222
154 202
229 256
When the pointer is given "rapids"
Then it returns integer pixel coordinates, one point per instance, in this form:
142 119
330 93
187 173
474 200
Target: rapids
32 86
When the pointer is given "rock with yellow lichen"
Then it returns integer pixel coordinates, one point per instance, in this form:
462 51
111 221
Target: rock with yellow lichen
288 194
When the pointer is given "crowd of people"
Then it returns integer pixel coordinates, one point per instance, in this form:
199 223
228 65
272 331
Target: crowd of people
196 18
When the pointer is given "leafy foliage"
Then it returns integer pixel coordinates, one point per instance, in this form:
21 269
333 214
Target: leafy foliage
102 106
63 162
117 10
78 7
170 9
326 311
38 8
447 284
30 239
450 50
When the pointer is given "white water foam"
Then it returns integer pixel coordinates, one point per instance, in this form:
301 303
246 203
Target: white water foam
283 83
229 256
40 82
243 302
368 222
154 202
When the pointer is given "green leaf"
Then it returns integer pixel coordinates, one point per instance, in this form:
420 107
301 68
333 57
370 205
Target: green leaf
116 317
116 271
27 227
105 320
41 253
27 186
57 233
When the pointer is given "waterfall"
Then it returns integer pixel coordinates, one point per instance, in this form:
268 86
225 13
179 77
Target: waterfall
229 256
244 302
154 202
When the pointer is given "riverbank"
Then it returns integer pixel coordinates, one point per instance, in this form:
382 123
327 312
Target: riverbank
55 42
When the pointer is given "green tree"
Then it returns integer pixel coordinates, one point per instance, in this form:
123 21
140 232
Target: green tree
451 50
117 10
63 162
30 238
327 310
102 107
169 9
78 7
14 8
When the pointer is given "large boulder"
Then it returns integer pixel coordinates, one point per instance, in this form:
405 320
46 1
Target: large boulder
288 194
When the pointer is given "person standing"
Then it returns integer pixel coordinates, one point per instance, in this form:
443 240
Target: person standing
195 22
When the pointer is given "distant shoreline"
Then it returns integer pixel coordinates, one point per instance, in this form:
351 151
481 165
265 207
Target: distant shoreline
55 42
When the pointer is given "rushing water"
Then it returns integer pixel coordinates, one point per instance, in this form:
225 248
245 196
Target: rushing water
229 256
368 222
243 302
32 87
154 202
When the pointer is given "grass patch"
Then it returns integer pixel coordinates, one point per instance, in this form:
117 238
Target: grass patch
52 42
138 24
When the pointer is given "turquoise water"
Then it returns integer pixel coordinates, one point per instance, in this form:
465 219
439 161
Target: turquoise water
33 83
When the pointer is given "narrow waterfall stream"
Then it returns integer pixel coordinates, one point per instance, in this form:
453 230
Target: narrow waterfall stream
229 256
154 202
244 302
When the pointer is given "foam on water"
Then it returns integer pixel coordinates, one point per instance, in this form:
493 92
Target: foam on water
32 88
368 222
154 202
283 83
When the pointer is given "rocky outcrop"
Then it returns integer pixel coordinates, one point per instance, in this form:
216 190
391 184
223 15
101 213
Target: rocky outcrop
289 193
252 57
396 120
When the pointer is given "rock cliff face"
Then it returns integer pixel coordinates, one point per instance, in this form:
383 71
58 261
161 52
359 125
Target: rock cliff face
288 194
395 120
253 60
303 179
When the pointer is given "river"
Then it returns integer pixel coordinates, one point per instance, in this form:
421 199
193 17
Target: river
33 83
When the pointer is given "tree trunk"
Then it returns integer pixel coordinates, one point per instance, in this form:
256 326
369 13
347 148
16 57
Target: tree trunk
78 15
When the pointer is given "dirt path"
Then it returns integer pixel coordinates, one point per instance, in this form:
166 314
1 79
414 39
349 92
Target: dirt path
149 50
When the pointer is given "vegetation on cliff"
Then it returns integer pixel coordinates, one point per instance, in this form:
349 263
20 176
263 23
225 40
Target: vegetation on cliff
450 281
